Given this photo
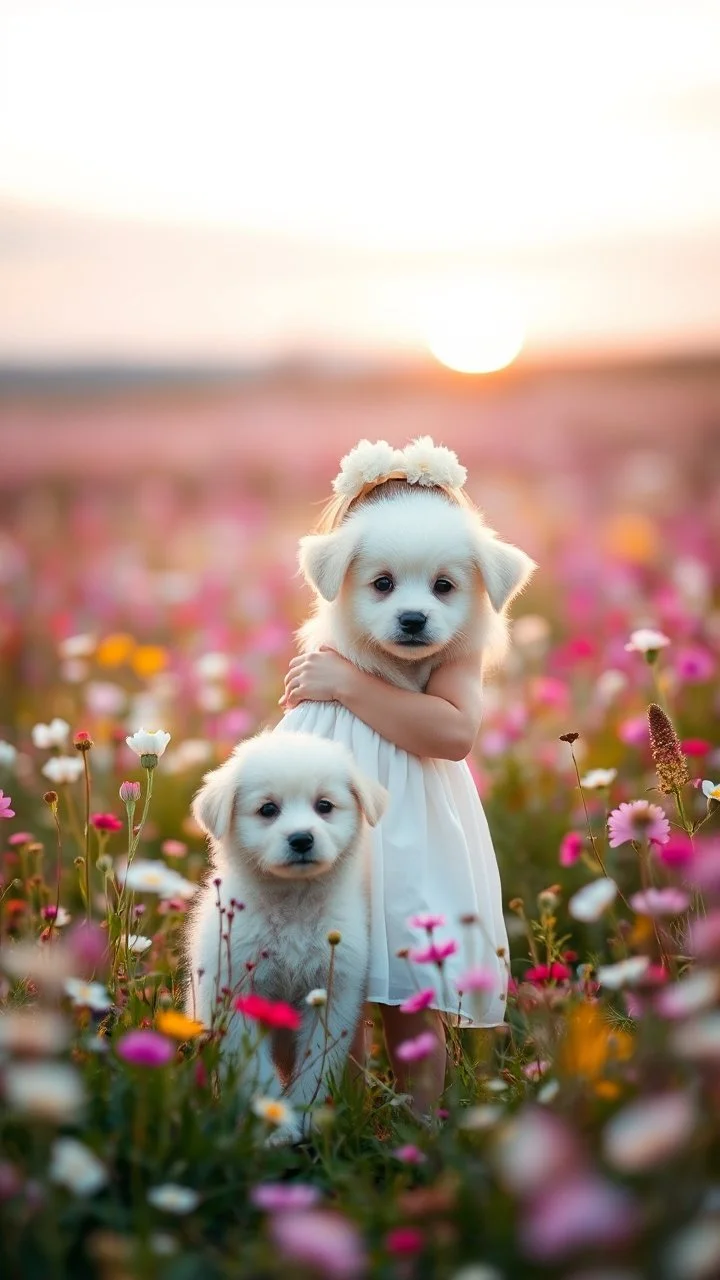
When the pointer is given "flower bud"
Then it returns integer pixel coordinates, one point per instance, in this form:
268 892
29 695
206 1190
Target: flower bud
334 937
82 741
130 792
569 737
51 798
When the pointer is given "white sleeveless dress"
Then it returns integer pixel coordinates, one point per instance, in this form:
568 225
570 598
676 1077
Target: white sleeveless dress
431 853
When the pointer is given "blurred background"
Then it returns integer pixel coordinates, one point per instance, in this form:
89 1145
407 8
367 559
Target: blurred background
236 237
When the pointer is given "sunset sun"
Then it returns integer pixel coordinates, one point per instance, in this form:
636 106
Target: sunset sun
475 329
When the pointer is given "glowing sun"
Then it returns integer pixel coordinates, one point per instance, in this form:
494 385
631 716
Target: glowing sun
475 329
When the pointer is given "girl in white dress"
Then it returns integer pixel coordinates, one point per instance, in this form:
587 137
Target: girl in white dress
434 874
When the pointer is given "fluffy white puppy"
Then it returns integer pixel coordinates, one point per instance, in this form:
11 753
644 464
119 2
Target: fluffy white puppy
408 581
287 816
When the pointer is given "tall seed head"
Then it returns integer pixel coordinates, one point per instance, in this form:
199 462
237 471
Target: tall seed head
670 763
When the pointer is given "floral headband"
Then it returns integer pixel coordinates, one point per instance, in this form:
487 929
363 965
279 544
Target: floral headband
422 462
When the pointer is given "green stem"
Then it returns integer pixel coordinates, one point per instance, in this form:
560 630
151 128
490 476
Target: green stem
88 902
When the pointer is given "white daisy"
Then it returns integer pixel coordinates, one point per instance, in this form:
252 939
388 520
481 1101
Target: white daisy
54 734
274 1110
148 743
711 790
138 945
645 640
172 1198
88 995
589 903
622 974
596 779
47 1090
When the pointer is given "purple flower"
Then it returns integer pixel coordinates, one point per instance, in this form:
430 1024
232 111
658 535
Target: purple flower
584 1213
410 1154
145 1048
279 1197
324 1242
694 664
416 1049
421 1000
638 820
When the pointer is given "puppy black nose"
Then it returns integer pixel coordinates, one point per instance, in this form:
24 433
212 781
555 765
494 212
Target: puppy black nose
412 623
301 841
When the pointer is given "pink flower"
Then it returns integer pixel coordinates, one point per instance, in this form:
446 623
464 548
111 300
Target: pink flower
579 1214
424 920
434 953
281 1197
5 810
540 974
660 902
88 945
20 838
421 1000
704 939
416 1049
105 822
677 852
695 746
535 1070
404 1241
130 792
410 1154
477 979
173 849
145 1048
571 846
321 1241
634 731
694 664
638 820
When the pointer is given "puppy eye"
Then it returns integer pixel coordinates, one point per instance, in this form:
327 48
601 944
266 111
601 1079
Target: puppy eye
268 810
324 806
383 584
443 587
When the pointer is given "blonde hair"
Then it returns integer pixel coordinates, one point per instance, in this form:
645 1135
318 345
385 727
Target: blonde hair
340 505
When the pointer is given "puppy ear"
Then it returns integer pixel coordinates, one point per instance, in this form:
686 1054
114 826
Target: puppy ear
371 797
213 804
505 569
325 559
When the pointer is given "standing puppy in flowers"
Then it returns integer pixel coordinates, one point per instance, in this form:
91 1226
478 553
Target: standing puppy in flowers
411 590
287 816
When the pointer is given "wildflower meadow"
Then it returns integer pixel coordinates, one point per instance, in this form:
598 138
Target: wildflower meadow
146 628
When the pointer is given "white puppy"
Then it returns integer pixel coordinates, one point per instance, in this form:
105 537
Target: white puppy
408 581
286 816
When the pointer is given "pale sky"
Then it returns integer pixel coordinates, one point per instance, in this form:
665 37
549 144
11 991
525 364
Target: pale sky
251 177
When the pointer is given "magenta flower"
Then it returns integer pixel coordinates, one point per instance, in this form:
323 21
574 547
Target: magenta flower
404 1242
677 852
634 731
283 1197
5 810
540 974
434 953
321 1241
130 792
571 846
145 1048
660 902
20 837
173 849
424 920
410 1154
106 822
638 820
477 979
421 1000
416 1049
694 664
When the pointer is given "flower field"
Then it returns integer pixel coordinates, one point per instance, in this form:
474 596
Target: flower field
578 1141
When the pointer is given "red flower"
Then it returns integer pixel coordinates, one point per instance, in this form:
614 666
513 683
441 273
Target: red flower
271 1013
542 973
695 746
106 822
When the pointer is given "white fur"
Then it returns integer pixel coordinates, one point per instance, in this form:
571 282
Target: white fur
416 538
288 907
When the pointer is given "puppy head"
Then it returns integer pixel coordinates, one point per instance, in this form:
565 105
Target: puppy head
408 571
288 805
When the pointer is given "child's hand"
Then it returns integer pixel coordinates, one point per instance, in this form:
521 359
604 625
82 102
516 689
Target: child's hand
316 677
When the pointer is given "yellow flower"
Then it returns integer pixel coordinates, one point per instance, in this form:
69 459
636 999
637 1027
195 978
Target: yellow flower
149 659
632 538
591 1043
175 1024
115 649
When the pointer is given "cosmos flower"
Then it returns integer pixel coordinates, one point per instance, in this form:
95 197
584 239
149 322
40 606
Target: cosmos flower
623 973
669 901
425 920
88 995
172 1198
598 779
5 810
409 1154
638 820
106 822
646 1133
47 736
282 1197
417 1048
419 1001
144 1048
130 792
76 1167
571 847
63 770
589 903
541 974
434 953
478 978
271 1013
323 1243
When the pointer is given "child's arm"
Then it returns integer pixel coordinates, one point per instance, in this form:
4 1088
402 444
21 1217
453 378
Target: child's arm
441 723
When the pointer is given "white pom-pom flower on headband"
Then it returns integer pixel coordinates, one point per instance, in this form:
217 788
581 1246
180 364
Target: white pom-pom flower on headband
421 462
